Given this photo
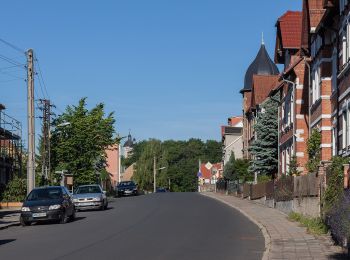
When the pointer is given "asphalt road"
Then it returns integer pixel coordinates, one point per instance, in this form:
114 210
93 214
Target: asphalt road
158 226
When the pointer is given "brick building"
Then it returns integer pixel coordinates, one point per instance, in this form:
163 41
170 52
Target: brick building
258 81
291 92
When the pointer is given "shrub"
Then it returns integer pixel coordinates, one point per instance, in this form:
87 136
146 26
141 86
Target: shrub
338 218
16 190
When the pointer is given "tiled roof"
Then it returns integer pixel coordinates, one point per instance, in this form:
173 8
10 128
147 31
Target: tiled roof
206 173
290 26
234 121
262 85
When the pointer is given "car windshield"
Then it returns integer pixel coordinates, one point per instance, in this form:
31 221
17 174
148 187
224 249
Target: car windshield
88 189
126 183
45 194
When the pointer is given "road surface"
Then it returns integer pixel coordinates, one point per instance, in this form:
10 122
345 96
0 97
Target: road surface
157 226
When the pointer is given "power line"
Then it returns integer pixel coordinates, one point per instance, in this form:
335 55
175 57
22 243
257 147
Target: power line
12 46
41 78
9 60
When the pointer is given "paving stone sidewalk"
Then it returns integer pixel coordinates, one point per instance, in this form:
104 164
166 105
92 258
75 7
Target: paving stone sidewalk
283 239
9 217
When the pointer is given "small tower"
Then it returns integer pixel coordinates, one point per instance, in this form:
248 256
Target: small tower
129 146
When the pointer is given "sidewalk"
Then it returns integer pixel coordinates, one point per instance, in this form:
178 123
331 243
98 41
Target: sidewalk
9 217
283 239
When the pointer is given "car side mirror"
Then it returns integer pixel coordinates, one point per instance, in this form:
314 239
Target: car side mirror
104 192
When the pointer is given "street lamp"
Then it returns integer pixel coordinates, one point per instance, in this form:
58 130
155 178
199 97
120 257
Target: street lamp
155 174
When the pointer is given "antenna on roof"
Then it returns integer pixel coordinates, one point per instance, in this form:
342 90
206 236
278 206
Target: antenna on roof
262 38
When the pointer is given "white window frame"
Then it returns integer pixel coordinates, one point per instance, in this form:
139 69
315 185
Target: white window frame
283 162
345 128
334 141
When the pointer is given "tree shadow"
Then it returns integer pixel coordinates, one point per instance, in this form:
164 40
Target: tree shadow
5 241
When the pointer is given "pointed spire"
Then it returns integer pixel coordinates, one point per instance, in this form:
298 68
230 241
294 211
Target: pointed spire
262 38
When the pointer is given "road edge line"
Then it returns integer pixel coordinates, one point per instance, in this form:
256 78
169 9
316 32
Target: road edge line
263 229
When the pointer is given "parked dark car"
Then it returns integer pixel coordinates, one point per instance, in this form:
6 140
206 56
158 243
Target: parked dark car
161 189
90 197
47 203
127 188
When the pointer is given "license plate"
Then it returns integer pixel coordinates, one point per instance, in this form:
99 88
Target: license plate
128 191
39 215
86 204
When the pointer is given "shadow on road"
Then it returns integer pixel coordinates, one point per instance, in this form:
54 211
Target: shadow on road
340 256
5 241
50 222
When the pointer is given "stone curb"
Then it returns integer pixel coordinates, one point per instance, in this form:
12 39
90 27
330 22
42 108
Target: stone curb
4 226
264 231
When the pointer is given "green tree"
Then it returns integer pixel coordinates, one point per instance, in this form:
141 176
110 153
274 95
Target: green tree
143 174
265 148
314 150
229 169
80 146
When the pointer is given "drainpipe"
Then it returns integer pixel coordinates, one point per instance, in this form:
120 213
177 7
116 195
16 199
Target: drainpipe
309 105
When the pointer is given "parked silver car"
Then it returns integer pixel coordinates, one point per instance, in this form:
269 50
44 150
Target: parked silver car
90 197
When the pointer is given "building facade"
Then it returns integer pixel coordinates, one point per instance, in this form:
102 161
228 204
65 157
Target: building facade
231 138
258 81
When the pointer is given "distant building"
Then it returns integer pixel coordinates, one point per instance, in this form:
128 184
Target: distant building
128 173
128 146
261 76
231 137
208 175
113 164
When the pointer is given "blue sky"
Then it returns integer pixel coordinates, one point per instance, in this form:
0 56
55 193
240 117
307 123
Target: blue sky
170 69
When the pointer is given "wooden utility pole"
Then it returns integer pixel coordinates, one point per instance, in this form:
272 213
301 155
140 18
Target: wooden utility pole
154 174
31 127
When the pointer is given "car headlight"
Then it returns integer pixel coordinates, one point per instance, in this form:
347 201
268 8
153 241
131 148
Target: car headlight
52 207
75 200
97 199
25 209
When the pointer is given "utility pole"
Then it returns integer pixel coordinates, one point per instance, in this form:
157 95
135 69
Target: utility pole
154 174
46 153
31 127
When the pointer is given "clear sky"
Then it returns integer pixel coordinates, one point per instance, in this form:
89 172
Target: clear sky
170 69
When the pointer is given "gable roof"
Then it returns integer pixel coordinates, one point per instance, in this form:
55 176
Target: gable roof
290 26
235 121
207 173
262 85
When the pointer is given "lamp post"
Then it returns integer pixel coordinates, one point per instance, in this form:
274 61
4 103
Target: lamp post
155 173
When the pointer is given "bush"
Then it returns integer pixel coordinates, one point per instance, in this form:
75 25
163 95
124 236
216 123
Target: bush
335 181
338 218
16 190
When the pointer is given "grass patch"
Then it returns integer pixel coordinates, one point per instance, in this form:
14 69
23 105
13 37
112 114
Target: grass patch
313 225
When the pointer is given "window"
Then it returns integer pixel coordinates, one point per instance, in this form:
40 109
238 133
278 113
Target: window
334 70
345 129
316 84
287 160
334 143
345 43
283 163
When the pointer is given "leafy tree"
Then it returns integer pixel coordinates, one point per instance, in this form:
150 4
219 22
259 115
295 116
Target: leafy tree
143 175
293 166
16 190
181 159
229 169
237 169
314 150
135 155
265 148
80 146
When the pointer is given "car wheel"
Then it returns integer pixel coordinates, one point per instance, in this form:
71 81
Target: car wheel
64 218
106 206
102 206
72 217
23 222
